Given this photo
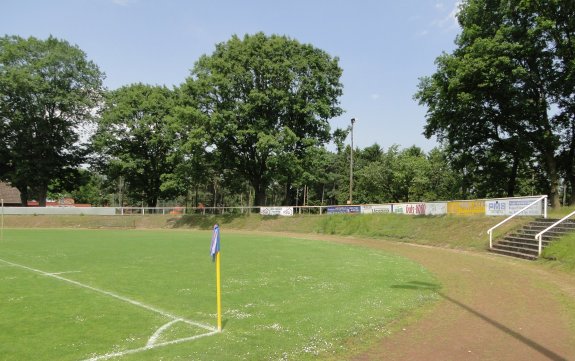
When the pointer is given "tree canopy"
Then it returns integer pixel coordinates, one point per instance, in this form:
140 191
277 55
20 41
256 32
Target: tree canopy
502 100
265 101
137 138
48 92
250 125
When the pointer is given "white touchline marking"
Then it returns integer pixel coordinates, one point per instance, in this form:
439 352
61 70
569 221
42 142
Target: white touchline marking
141 349
152 341
61 273
111 294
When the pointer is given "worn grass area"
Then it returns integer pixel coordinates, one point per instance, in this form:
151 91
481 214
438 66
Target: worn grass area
283 298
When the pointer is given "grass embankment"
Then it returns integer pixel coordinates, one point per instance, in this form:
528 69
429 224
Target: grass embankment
443 231
562 253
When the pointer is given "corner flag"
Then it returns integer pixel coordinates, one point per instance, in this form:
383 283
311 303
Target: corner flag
215 247
215 252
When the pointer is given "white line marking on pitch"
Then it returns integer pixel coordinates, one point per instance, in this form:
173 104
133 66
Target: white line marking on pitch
152 341
158 333
111 294
141 349
61 273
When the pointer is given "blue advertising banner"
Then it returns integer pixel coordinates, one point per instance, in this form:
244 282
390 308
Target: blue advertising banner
343 209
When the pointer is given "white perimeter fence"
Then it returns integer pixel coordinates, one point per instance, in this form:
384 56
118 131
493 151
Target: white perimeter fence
490 207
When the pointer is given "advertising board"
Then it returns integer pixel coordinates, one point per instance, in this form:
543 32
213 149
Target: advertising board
409 208
276 211
435 209
376 208
507 207
466 208
343 209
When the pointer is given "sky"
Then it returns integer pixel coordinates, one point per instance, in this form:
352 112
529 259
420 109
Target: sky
383 46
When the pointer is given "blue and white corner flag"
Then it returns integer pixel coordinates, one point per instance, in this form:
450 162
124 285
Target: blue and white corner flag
215 247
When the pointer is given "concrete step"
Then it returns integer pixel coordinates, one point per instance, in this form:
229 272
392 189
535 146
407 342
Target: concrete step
557 229
516 243
522 243
526 240
513 254
532 251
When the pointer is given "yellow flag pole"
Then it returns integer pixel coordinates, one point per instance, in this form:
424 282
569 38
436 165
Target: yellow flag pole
219 292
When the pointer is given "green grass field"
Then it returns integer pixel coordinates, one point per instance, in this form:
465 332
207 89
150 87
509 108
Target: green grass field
150 295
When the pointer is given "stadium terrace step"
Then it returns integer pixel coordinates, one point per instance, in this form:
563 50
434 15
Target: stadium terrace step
514 254
522 243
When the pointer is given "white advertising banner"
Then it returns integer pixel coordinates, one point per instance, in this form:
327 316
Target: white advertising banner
435 209
498 207
516 205
376 208
507 207
276 211
409 208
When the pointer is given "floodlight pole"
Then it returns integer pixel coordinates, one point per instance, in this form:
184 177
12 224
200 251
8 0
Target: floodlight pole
351 165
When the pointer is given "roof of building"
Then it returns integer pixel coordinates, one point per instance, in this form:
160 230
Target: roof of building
9 194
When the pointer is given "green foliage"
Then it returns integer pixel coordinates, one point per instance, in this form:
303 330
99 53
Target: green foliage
502 101
137 138
266 100
407 175
49 92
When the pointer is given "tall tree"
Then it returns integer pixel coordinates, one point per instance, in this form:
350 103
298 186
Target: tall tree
495 96
136 139
265 99
48 92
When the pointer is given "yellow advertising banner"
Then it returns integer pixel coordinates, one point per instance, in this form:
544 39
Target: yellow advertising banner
465 208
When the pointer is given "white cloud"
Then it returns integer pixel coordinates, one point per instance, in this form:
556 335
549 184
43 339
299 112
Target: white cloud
375 96
449 21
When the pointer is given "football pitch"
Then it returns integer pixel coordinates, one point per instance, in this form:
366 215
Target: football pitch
150 295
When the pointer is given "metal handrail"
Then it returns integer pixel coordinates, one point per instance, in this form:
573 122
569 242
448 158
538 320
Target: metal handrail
490 230
539 236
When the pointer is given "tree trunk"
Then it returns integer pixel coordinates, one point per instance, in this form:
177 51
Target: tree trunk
260 194
288 196
511 184
569 166
152 202
551 167
23 188
572 197
42 194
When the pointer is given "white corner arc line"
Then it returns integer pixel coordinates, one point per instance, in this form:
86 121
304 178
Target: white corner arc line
152 340
141 349
116 296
